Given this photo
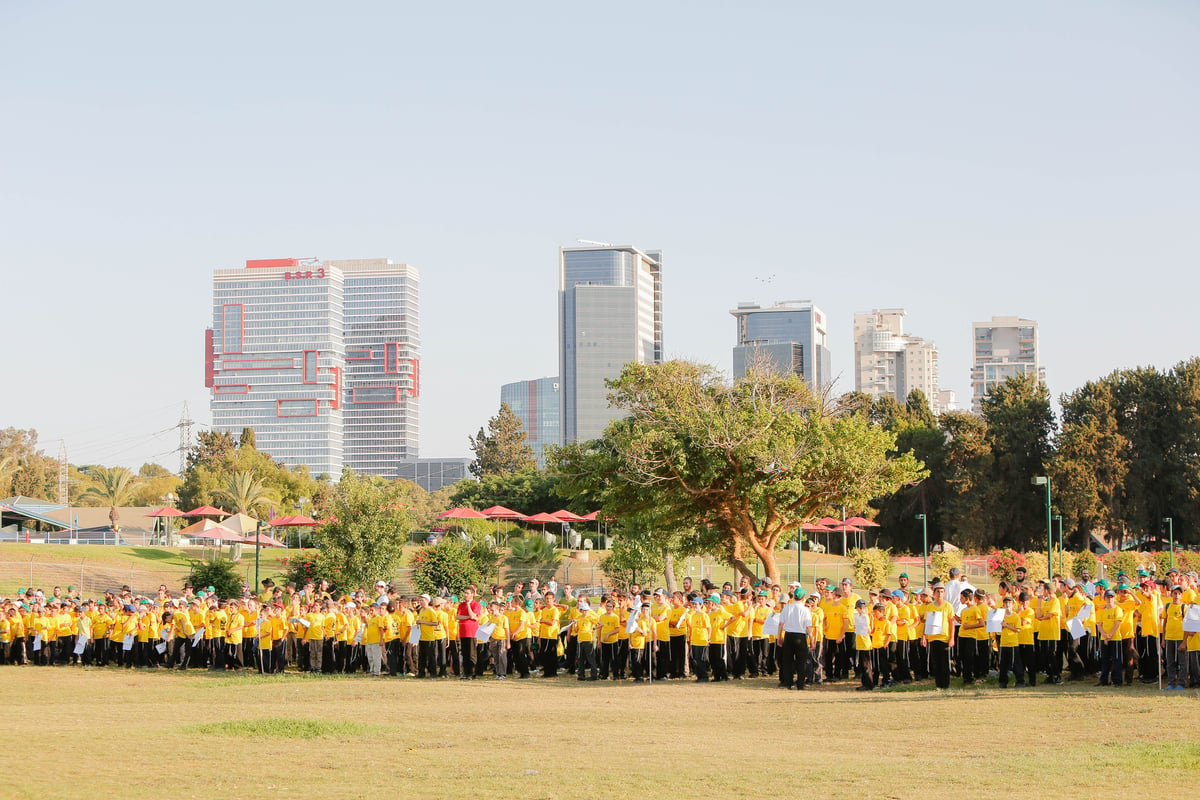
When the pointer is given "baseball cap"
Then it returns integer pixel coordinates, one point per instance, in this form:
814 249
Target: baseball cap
1110 593
903 574
860 604
897 594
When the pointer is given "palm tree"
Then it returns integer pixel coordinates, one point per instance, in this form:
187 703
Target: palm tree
533 555
111 487
245 493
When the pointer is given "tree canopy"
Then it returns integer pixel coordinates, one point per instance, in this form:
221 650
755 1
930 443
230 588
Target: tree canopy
503 449
744 463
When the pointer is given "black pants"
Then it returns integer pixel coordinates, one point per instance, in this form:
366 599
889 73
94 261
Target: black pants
758 657
570 650
427 661
1070 648
466 650
1049 659
699 658
639 661
1150 658
678 654
548 652
1112 662
939 663
622 659
1029 663
864 670
966 659
739 647
394 651
1010 661
716 660
903 670
179 657
608 660
793 660
521 657
585 661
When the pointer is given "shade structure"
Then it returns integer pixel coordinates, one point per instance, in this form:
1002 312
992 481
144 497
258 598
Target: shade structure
165 512
461 513
862 522
814 527
828 521
592 516
206 511
262 540
544 519
207 529
281 522
566 516
500 512
292 521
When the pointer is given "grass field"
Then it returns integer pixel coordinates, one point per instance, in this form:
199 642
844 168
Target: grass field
118 734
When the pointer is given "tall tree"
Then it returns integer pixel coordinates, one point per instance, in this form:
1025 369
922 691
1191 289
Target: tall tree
246 494
503 448
750 462
111 487
1091 458
364 541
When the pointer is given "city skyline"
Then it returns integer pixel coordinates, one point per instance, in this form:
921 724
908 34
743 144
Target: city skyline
959 162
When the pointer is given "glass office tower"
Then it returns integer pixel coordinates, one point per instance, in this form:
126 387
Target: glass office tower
321 359
789 336
610 313
538 404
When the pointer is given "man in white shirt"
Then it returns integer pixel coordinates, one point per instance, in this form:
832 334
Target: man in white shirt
795 621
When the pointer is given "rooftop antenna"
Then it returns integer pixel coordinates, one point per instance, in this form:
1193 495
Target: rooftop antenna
598 244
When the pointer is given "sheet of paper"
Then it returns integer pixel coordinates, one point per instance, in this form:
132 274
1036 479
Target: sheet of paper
197 636
995 620
37 642
771 625
80 646
1076 629
1191 619
161 647
862 625
414 635
127 644
1085 612
933 623
632 623
484 632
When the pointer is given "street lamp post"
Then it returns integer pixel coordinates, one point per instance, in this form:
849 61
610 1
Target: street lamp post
300 529
1043 480
924 550
1058 519
170 501
1171 537
258 526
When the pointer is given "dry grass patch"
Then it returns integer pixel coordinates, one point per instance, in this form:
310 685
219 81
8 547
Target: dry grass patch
357 736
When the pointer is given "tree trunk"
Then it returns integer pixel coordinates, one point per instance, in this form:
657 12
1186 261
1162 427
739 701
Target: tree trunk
669 570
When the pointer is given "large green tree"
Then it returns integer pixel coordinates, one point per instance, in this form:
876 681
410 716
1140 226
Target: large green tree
24 468
369 524
748 462
503 448
245 493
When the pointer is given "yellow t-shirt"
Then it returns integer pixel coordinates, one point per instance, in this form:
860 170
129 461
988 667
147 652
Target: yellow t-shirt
947 612
1173 627
610 626
1011 638
315 631
585 626
675 618
661 613
699 629
1049 628
1109 617
1128 607
432 624
1149 612
548 622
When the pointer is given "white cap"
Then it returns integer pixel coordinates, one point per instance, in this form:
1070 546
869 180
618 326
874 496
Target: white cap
351 605
426 597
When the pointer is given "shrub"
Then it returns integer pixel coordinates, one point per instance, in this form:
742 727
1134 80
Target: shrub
1035 566
940 563
1085 560
218 573
303 569
1121 561
453 564
872 566
1002 564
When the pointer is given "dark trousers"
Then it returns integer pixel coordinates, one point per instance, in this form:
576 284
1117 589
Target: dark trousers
738 654
608 660
179 657
278 655
570 650
678 654
939 663
1149 658
521 657
716 660
847 656
903 670
883 664
758 657
966 659
1049 659
427 662
639 662
548 654
699 659
1010 661
1112 662
394 651
793 659
863 669
816 662
1070 648
466 650
622 659
585 661
1028 663
661 659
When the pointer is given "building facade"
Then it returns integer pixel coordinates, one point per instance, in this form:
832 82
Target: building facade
890 363
791 336
610 313
432 474
321 359
1003 347
538 404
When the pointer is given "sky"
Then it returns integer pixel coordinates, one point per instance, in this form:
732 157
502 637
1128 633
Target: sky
959 160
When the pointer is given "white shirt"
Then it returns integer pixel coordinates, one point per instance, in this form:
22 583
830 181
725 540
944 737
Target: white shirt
795 618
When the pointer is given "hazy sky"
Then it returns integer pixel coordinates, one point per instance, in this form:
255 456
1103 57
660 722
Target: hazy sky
959 160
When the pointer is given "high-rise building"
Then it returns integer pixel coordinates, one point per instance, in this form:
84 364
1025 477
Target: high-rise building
1004 348
888 362
790 335
538 404
321 359
610 313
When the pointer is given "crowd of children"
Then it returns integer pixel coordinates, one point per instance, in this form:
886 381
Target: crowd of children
1023 632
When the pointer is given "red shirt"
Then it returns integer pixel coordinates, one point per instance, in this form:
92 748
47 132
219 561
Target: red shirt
468 627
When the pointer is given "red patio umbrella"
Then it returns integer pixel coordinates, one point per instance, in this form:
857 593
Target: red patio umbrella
461 513
499 513
206 511
263 540
862 522
166 512
543 519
